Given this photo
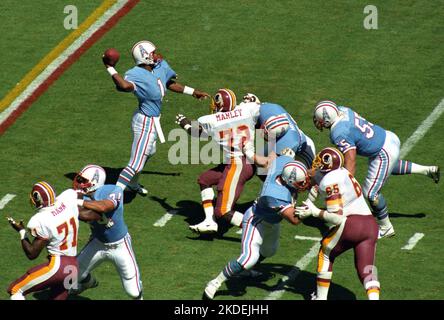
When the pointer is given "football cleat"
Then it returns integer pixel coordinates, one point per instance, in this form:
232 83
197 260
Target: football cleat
205 227
434 173
211 289
139 189
386 232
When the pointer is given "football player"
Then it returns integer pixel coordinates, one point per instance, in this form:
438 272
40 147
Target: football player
261 226
148 80
354 225
354 135
232 127
55 226
282 132
109 239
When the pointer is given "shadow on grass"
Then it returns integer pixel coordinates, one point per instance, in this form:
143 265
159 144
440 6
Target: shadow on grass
46 295
406 215
193 213
304 283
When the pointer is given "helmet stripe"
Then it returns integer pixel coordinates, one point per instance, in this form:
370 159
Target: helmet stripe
48 190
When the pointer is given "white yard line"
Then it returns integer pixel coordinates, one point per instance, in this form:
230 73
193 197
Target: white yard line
294 273
413 241
61 58
165 218
307 238
422 129
4 201
239 231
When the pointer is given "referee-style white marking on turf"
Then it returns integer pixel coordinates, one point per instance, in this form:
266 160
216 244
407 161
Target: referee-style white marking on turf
422 129
413 241
307 238
4 201
165 218
294 273
61 58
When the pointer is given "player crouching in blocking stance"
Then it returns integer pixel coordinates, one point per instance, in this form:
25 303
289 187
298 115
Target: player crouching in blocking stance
232 127
110 239
353 135
261 224
55 226
354 225
148 80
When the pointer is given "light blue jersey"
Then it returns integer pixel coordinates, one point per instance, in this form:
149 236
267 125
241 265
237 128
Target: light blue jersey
294 138
355 132
274 196
150 86
118 230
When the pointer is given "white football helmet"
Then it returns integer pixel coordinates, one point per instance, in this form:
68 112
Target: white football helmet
295 175
250 97
325 114
143 53
276 126
89 179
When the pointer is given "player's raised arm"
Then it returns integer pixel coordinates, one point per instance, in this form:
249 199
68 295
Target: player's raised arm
31 249
180 88
102 206
110 59
87 215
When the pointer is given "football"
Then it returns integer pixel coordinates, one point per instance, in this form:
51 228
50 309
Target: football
111 56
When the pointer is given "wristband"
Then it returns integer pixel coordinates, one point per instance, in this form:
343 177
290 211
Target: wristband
111 71
188 90
80 202
22 234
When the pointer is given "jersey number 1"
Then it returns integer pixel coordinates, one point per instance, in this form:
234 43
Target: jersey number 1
64 228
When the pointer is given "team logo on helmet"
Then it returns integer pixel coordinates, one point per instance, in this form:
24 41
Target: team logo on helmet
328 159
42 195
295 175
325 114
224 100
89 179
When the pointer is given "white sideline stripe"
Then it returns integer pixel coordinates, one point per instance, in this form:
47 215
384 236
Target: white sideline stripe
165 218
293 274
62 58
413 241
307 238
422 129
6 199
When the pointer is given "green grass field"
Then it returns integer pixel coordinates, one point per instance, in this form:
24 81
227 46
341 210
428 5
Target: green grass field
288 52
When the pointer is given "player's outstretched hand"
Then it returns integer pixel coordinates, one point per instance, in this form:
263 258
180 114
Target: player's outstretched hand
16 226
201 95
314 211
183 121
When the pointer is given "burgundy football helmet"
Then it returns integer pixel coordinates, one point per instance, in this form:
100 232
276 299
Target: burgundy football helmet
42 195
224 100
328 159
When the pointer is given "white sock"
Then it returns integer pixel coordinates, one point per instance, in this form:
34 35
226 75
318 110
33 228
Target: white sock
323 286
417 168
384 222
17 296
237 219
121 185
221 278
208 196
373 289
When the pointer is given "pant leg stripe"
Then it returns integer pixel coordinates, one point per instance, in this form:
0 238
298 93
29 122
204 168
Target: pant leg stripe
147 143
138 143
